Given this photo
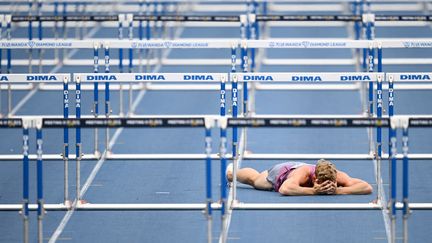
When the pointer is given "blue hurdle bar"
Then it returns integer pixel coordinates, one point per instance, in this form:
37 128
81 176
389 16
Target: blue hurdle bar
130 35
30 35
234 100
25 210
405 188
96 97
379 104
392 153
78 146
223 146
66 140
55 12
40 200
244 53
64 28
223 150
40 34
121 18
371 67
392 166
1 64
9 60
140 37
107 95
1 50
209 211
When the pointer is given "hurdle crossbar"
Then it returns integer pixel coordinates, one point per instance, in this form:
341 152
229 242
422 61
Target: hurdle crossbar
215 206
334 121
217 18
266 78
183 156
207 1
217 43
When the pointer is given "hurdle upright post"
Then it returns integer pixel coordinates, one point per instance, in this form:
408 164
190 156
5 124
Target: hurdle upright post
148 52
235 154
371 67
40 34
393 175
121 19
379 105
25 209
405 181
140 36
9 60
30 36
209 123
65 153
234 97
95 110
55 30
64 30
378 155
107 95
245 65
2 19
129 18
222 147
40 200
223 122
357 33
390 80
254 35
78 146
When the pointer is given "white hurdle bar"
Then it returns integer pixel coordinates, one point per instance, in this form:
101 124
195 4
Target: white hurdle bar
217 43
215 206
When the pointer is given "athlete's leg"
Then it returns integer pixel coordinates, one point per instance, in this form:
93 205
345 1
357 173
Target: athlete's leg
252 177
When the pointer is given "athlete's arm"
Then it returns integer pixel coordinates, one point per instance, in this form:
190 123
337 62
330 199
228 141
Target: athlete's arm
348 185
292 185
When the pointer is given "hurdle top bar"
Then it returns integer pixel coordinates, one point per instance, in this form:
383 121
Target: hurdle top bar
208 121
303 77
209 1
308 77
35 78
225 18
150 77
217 43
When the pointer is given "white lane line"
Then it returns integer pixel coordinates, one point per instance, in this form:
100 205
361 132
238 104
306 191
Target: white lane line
99 164
30 94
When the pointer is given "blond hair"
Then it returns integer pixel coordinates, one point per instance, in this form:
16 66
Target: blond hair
325 171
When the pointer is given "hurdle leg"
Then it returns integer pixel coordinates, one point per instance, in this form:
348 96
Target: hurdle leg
234 131
107 96
121 18
208 149
78 153
392 177
130 98
66 141
40 34
405 182
95 110
9 92
25 210
41 210
64 29
9 61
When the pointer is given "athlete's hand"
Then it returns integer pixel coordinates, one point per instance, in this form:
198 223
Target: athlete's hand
326 188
